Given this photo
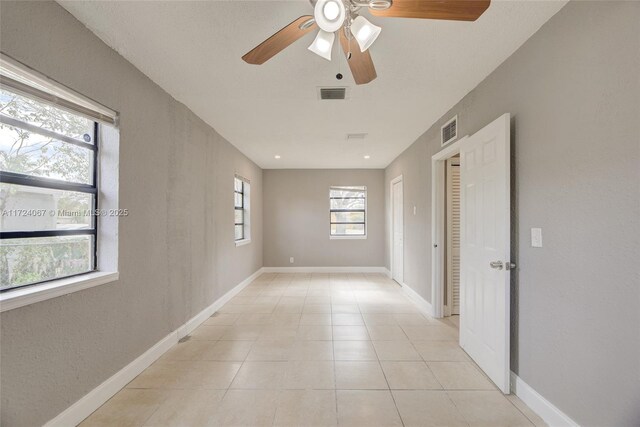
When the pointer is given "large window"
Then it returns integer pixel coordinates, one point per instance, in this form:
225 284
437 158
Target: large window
348 212
241 203
48 191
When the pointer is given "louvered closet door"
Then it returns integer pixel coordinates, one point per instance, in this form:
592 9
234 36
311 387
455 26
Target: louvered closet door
453 233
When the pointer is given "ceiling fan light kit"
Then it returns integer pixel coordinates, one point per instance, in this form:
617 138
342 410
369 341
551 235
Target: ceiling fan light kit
364 32
342 15
323 44
330 14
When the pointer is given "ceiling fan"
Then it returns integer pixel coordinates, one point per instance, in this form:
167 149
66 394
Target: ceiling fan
342 16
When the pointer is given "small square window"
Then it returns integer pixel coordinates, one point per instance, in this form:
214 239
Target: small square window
348 212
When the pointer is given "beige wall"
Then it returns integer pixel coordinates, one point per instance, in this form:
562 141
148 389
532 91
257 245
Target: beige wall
177 252
296 219
574 95
573 91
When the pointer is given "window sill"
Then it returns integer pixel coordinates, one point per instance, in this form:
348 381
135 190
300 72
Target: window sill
242 242
347 237
37 293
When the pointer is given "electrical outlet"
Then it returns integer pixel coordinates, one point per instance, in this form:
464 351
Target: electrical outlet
536 237
291 260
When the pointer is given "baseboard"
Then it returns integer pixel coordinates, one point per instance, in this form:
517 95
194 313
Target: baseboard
325 270
553 416
84 407
199 318
423 305
387 272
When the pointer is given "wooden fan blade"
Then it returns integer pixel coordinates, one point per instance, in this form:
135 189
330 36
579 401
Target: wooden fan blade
360 63
280 40
454 10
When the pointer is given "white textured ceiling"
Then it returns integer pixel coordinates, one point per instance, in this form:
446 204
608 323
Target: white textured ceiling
193 51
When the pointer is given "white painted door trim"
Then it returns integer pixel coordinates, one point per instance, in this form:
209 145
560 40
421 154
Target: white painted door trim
438 232
394 181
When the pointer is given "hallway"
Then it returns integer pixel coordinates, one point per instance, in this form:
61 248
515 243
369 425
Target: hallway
316 349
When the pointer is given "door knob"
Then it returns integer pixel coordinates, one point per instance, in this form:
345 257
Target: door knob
496 264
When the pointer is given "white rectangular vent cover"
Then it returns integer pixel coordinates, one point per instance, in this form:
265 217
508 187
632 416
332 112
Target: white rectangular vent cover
356 136
332 93
449 131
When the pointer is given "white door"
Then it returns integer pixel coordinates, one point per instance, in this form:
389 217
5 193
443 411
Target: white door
398 232
485 249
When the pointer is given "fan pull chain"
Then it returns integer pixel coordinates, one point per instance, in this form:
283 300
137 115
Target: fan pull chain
347 32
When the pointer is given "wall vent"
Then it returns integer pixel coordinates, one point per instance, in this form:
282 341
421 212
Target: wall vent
332 93
449 131
356 136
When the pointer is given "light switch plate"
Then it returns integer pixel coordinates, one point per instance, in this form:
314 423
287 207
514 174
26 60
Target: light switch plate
536 237
291 260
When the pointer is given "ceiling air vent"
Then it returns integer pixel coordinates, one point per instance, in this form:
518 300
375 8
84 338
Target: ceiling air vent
449 131
333 92
356 136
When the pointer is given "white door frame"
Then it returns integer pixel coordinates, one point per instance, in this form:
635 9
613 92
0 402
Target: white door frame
438 230
395 180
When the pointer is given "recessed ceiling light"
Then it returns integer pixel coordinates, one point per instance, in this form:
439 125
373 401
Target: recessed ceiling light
277 156
367 156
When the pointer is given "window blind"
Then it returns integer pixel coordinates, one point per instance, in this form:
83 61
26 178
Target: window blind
22 80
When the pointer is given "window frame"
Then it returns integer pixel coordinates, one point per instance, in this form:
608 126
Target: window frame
16 178
362 188
245 207
24 80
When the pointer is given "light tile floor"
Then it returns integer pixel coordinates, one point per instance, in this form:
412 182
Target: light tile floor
316 350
